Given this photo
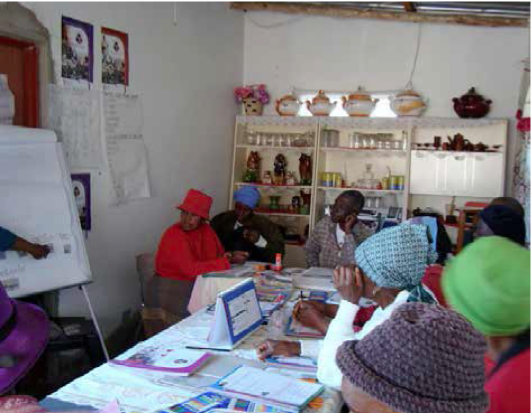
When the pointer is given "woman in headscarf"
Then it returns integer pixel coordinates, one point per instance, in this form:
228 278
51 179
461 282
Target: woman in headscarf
389 269
423 359
489 284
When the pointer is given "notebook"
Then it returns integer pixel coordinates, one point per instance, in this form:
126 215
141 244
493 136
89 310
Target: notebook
265 387
181 362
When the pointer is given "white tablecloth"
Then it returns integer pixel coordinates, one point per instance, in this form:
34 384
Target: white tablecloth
206 290
145 391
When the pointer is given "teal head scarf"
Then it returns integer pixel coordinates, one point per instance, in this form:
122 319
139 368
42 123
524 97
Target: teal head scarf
397 257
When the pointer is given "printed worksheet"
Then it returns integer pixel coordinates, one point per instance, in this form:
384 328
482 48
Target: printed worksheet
244 311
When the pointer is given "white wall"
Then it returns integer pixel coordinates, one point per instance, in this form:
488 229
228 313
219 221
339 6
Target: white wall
340 54
186 74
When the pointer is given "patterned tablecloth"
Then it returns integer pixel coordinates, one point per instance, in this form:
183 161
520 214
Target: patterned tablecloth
140 390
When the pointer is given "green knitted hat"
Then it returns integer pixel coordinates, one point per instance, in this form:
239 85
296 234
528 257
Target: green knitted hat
489 283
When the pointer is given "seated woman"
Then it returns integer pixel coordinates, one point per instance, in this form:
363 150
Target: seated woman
10 241
390 266
489 284
24 335
423 359
187 249
243 230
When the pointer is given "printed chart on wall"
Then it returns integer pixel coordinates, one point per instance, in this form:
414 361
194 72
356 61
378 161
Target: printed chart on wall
39 207
126 152
74 115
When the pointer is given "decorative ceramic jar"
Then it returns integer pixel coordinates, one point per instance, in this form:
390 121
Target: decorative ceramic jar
288 105
359 104
408 103
320 105
471 105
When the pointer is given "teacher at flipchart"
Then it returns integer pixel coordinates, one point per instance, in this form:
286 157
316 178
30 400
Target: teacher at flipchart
10 241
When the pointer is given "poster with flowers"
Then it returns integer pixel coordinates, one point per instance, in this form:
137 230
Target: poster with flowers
114 57
77 50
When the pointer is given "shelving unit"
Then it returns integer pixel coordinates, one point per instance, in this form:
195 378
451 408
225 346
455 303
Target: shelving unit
263 134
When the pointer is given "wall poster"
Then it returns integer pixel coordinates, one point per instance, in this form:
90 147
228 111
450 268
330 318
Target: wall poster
81 188
114 57
77 50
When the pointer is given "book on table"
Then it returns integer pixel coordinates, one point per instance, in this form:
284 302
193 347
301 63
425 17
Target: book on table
181 362
266 387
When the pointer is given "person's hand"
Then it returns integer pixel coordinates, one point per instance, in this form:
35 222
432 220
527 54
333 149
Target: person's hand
239 257
38 251
350 222
271 347
349 284
251 236
319 305
312 316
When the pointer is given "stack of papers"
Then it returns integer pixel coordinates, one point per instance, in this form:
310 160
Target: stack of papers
181 362
268 388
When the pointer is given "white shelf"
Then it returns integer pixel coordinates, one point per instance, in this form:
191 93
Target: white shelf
349 149
282 214
363 190
456 152
256 147
259 185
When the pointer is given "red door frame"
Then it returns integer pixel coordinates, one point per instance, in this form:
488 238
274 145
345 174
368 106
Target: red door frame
31 79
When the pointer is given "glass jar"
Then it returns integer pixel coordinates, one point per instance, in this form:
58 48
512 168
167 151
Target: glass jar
368 176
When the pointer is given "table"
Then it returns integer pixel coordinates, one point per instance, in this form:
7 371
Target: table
146 391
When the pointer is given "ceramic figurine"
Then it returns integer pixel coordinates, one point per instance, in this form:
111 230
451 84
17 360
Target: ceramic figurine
266 178
305 169
280 169
290 179
253 167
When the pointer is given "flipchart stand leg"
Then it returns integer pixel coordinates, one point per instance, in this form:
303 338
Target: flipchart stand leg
98 330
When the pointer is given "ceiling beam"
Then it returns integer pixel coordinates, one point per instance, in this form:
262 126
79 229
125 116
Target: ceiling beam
343 12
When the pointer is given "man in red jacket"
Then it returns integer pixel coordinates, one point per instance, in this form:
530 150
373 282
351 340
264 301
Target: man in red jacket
187 249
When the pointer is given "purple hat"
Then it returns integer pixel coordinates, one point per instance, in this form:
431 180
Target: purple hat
23 336
423 359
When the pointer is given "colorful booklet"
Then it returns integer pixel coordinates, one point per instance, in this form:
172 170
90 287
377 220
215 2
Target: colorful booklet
210 402
177 361
264 387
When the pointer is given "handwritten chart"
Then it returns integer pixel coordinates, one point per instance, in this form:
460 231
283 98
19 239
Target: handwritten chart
126 152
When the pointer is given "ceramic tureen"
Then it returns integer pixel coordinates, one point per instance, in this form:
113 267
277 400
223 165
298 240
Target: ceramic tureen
408 103
288 105
359 104
320 105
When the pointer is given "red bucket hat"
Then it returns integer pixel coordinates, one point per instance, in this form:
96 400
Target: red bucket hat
23 335
198 203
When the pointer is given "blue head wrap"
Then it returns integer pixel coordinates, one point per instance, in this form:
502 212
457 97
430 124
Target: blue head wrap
247 195
397 257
